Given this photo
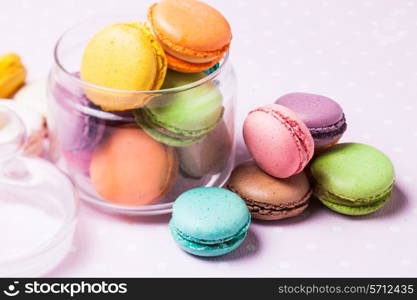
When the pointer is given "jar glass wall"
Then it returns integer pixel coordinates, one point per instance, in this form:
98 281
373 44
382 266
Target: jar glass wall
138 161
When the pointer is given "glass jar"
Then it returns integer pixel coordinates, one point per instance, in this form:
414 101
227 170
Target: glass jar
38 206
89 143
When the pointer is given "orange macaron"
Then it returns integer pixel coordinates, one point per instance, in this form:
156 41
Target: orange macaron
131 168
194 35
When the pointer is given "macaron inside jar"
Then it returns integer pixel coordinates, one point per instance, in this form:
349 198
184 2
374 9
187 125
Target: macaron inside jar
131 168
120 58
183 117
194 35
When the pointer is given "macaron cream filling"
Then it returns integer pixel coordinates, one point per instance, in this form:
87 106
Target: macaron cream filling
325 195
225 241
267 209
196 60
332 130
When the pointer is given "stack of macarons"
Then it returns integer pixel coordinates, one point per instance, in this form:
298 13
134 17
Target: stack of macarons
295 153
138 71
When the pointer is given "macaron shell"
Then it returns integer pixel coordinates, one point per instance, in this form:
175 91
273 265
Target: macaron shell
35 125
124 57
267 197
278 140
33 96
210 215
130 168
179 24
353 171
315 110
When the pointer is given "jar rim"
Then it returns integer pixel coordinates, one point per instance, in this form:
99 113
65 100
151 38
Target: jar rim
79 81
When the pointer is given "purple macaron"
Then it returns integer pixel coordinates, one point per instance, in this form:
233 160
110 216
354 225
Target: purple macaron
323 116
78 130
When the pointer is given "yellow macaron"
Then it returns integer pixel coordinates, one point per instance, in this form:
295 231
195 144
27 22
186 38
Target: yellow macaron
123 57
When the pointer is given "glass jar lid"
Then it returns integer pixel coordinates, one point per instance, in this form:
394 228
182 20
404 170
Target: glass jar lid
38 206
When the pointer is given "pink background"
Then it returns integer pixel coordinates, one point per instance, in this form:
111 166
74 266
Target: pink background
361 53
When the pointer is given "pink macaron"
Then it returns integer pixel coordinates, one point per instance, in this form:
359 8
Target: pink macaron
278 140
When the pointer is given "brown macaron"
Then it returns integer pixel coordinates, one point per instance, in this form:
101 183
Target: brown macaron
267 197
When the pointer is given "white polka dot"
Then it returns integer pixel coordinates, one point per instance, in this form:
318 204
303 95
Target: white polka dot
275 74
350 13
307 13
278 229
352 84
131 248
410 3
161 265
320 52
364 53
409 107
379 96
399 84
287 22
325 3
272 51
268 33
359 109
311 246
366 136
415 134
394 228
389 64
371 73
324 73
284 265
99 267
388 122
304 86
283 3
367 3
344 62
409 53
357 33
370 246
223 265
405 262
247 41
312 33
397 149
344 264
331 23
297 62
250 62
292 42
336 228
338 43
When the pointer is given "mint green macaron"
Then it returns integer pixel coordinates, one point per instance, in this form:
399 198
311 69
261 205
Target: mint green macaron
209 221
353 179
185 117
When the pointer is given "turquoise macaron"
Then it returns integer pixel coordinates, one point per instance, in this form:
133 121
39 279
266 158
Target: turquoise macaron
182 118
209 221
353 179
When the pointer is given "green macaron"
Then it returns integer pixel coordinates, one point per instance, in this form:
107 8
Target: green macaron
184 117
353 179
